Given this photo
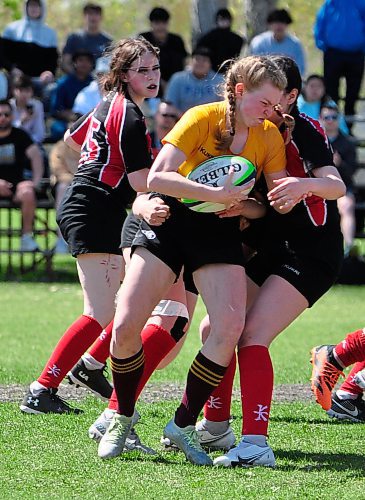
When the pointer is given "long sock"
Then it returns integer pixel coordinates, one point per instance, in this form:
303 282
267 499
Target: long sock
203 377
74 342
218 406
352 349
257 382
127 373
100 350
349 384
157 343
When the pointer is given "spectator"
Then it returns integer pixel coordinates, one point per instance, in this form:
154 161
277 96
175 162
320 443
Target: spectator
91 95
339 32
172 48
90 39
31 46
4 84
63 162
278 41
16 148
66 91
223 43
314 96
344 158
195 85
28 112
165 119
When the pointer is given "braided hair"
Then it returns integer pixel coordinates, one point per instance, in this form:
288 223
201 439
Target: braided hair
252 71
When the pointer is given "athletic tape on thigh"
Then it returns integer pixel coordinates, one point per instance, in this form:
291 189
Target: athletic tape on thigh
171 308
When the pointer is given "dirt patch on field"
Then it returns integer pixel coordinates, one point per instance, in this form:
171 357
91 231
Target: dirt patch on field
156 392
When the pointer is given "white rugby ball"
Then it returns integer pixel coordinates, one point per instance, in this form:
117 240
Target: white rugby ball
214 172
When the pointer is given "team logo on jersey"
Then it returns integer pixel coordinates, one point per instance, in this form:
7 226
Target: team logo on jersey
150 235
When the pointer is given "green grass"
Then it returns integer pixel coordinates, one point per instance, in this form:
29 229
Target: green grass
52 456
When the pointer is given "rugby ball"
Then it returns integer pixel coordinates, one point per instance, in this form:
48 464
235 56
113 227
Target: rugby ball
214 172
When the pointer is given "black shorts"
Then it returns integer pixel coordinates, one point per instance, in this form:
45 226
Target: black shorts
130 227
311 277
192 239
91 217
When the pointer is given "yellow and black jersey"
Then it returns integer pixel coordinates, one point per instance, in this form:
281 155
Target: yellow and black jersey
195 135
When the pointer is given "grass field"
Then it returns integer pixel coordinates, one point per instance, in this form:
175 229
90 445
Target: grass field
52 456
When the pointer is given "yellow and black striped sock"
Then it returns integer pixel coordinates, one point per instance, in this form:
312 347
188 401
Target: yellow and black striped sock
127 373
203 377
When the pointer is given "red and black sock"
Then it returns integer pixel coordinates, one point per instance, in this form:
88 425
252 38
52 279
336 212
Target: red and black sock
203 377
72 345
127 373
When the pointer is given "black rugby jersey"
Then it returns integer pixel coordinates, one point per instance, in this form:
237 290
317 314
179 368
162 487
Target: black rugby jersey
114 140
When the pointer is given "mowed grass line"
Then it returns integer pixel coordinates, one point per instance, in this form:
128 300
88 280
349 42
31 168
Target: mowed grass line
52 457
35 315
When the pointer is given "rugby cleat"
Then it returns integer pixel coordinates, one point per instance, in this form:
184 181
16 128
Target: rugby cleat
324 375
186 439
247 455
46 401
347 409
212 442
113 442
133 442
94 380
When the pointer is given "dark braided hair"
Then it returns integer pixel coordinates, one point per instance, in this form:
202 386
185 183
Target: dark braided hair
252 71
122 54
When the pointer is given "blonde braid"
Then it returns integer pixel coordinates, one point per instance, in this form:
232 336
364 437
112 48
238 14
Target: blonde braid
232 110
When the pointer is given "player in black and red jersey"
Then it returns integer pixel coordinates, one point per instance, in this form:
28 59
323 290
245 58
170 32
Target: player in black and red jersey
115 151
298 259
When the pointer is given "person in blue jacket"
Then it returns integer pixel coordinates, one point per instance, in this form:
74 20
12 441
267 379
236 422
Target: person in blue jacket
339 32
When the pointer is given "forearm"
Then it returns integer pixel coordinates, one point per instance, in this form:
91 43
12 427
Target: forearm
253 209
329 187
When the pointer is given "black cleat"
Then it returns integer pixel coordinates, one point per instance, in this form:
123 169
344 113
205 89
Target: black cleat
348 409
47 401
94 380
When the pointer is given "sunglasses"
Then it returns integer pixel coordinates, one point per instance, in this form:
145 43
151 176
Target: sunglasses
5 114
168 115
329 118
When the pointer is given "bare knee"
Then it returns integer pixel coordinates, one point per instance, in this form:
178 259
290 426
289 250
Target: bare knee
230 324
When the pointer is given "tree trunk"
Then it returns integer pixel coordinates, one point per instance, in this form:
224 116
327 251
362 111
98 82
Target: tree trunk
256 14
203 16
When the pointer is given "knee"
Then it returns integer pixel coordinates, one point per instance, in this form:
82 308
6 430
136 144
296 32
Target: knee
231 324
123 330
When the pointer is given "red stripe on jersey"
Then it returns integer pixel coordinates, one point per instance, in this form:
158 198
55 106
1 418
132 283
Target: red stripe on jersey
295 166
79 134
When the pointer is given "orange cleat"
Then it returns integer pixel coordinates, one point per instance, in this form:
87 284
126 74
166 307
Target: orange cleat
324 375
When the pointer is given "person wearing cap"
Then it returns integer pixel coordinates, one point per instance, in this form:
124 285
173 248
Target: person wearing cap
223 43
198 84
276 40
90 96
172 47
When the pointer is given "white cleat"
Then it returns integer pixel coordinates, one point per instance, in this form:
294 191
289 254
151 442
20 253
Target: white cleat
247 455
112 443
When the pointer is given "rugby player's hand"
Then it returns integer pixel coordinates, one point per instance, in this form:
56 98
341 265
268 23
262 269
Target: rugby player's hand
234 210
229 194
288 192
5 188
155 212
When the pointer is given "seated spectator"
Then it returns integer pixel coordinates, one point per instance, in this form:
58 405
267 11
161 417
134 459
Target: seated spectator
63 162
223 43
90 39
313 97
16 148
344 158
28 113
4 84
165 118
90 96
30 45
66 91
278 41
197 84
172 48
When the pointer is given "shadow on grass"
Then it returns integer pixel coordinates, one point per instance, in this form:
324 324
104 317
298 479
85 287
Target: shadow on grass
295 419
320 461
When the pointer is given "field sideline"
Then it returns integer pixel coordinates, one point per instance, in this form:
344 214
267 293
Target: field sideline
52 456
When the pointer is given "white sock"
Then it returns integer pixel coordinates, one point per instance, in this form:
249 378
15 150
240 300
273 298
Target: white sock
346 395
214 428
35 388
257 439
90 362
108 413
